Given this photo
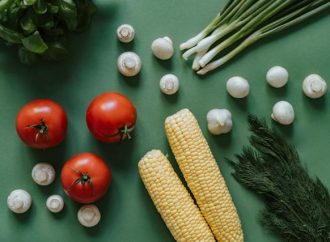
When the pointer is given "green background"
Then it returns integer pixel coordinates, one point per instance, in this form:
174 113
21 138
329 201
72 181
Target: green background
127 212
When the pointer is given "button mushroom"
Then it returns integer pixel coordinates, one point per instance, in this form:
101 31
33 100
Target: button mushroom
129 64
55 203
89 215
219 121
277 76
125 33
19 201
283 113
169 84
314 86
43 174
162 48
238 87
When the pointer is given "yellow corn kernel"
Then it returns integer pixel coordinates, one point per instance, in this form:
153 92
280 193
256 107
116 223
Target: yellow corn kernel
203 176
172 199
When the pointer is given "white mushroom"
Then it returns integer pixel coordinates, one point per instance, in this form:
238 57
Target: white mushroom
162 48
169 84
19 201
238 87
283 113
125 33
314 86
277 76
129 64
55 203
219 121
43 174
89 215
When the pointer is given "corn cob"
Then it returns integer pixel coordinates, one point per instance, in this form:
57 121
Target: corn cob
172 199
203 176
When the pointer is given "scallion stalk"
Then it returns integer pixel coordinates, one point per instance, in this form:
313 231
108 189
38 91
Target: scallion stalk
242 23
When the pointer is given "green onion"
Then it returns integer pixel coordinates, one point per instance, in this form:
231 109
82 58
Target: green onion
242 23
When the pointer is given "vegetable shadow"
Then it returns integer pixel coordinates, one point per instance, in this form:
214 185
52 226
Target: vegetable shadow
62 214
107 214
279 92
223 141
318 103
125 46
283 130
24 218
151 215
241 103
133 81
118 155
55 156
173 99
166 64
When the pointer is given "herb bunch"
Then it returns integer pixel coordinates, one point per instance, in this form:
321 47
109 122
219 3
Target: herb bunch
297 206
39 28
242 23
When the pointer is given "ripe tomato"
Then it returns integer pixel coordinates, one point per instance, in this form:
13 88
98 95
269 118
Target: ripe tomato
111 117
85 177
41 124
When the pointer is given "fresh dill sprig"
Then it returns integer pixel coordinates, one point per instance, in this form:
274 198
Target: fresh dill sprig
297 206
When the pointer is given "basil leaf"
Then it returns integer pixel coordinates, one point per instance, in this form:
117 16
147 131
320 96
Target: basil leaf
53 9
26 57
27 24
35 43
10 35
40 7
68 12
29 2
4 4
56 51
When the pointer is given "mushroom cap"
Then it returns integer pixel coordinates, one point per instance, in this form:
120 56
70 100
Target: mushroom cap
169 84
89 215
125 33
238 87
277 76
314 86
129 64
219 121
19 201
55 203
162 48
43 173
283 113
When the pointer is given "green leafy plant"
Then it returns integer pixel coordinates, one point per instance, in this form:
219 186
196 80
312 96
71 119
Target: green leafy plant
297 206
39 28
242 23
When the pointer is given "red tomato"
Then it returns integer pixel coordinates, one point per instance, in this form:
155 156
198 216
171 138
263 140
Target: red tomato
85 177
41 124
111 117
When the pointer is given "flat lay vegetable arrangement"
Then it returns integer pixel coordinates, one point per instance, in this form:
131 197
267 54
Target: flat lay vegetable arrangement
126 141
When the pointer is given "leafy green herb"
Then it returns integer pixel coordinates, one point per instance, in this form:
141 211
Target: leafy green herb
39 28
297 206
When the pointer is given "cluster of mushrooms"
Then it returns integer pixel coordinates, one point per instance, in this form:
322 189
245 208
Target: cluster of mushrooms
219 121
20 201
129 63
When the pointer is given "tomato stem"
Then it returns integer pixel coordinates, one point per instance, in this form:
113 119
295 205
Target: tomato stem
123 132
42 129
83 179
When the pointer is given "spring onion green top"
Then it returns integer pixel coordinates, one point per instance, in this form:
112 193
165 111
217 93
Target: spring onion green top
242 23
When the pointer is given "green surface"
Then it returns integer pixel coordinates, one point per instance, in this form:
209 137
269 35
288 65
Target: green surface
127 212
